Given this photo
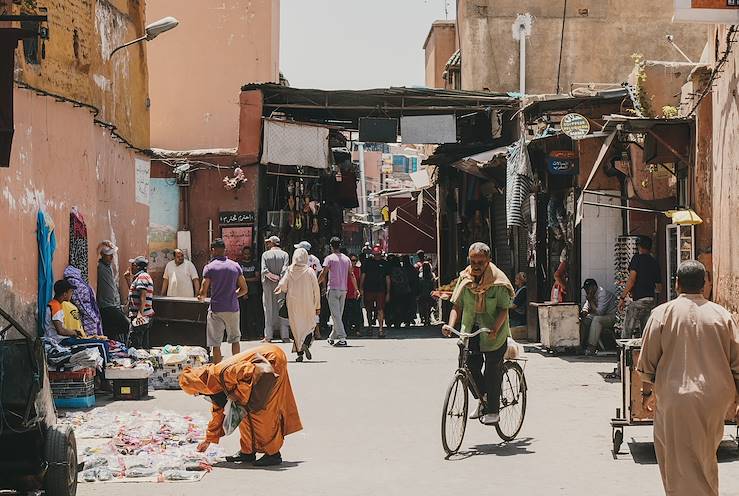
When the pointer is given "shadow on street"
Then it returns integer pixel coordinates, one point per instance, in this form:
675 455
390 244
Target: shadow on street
513 448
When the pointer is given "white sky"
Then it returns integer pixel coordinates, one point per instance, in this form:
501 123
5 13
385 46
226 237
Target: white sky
356 44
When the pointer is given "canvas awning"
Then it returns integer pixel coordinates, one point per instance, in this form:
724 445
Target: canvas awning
294 143
607 145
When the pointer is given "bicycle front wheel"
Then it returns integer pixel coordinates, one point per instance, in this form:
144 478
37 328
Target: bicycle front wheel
454 418
512 401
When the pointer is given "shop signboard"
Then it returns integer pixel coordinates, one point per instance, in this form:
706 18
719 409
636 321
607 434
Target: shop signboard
707 11
235 239
235 218
562 162
575 126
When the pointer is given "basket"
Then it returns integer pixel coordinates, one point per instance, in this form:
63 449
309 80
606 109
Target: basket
77 384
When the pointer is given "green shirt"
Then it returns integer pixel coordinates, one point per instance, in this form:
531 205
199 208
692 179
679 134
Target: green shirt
497 299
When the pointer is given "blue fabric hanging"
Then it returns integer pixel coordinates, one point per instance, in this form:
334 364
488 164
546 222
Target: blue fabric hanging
46 247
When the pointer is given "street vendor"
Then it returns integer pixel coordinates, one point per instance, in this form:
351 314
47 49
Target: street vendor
483 296
256 380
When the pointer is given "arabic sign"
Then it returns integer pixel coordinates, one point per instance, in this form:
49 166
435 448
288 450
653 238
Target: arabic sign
142 173
575 126
236 238
707 11
231 218
562 162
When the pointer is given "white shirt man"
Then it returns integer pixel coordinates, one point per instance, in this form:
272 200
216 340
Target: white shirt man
180 277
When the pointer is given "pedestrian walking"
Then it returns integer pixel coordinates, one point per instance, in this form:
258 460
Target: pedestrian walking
426 285
411 275
689 363
252 313
336 271
482 298
274 265
353 319
642 286
180 277
115 322
140 301
375 286
303 302
315 263
396 309
225 280
258 382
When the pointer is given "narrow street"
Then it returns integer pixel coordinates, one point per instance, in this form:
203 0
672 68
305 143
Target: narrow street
371 416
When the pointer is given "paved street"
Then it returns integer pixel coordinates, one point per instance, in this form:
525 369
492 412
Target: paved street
372 426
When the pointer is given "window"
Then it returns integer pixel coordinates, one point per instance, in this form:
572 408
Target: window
31 45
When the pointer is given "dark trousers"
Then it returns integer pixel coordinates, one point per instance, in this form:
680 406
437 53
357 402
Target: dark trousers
353 319
490 382
139 337
252 315
324 315
115 323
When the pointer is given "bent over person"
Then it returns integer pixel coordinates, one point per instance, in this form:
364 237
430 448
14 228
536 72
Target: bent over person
257 381
689 363
483 296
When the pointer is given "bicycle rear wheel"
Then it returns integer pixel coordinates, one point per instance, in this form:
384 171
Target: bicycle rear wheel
454 418
512 401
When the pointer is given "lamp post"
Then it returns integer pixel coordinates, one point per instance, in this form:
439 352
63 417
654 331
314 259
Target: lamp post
152 31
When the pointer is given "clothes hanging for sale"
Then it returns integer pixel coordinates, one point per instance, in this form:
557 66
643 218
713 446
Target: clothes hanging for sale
46 247
78 242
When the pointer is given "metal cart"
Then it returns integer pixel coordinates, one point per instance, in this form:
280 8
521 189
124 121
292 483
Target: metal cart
42 455
631 413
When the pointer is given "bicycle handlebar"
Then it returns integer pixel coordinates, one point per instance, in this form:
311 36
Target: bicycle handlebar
466 334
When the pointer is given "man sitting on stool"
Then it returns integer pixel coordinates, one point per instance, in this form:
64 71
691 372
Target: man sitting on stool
598 313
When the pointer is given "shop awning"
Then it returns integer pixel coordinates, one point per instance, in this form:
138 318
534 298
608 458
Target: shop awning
607 144
475 164
293 143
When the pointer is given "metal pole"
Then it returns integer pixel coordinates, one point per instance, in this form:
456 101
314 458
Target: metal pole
363 190
522 63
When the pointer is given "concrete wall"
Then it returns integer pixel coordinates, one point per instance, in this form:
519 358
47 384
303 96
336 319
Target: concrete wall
198 69
54 169
600 37
82 33
440 45
725 180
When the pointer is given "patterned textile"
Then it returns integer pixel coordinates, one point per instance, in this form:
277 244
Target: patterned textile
84 299
46 247
78 242
289 143
519 178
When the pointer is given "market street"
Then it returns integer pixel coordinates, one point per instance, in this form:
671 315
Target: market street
371 416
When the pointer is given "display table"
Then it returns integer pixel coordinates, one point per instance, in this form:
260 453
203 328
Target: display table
179 321
559 326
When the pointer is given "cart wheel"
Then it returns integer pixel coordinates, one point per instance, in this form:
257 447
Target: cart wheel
618 439
61 455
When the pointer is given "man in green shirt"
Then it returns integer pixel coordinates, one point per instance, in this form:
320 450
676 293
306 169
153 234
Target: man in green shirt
482 297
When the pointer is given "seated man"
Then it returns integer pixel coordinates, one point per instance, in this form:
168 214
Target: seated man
256 380
598 313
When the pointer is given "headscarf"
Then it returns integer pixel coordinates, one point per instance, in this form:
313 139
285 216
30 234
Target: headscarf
297 269
492 276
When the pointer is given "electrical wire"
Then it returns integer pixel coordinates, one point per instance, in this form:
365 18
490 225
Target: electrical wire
730 40
561 46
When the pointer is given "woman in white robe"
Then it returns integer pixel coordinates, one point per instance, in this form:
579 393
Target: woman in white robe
303 302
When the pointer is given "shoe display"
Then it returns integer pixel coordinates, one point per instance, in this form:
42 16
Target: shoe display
490 418
269 460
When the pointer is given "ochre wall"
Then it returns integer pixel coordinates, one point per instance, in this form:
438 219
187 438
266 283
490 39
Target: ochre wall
80 67
198 69
605 37
55 170
725 180
440 45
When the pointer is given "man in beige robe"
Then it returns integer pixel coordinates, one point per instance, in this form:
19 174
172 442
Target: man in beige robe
690 366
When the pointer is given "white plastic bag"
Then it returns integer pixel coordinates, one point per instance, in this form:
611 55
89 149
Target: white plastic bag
514 350
234 414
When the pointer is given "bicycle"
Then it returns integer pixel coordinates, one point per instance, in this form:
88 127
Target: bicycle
456 403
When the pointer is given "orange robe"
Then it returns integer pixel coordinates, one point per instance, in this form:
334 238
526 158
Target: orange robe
279 417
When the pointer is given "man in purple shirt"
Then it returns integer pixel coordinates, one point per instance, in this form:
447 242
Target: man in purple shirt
225 280
337 271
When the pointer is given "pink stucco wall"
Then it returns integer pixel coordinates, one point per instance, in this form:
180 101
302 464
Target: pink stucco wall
197 70
61 159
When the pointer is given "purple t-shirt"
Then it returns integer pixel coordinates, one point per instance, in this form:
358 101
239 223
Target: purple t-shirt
339 265
224 279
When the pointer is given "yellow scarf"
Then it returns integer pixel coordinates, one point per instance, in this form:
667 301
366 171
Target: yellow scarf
492 276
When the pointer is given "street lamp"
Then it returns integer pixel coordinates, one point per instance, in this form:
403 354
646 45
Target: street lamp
152 31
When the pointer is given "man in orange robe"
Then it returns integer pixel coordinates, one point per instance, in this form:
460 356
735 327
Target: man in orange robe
257 380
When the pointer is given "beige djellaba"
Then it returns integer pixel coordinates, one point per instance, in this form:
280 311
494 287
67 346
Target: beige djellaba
690 352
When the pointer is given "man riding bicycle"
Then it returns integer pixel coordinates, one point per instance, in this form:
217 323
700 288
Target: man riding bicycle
483 296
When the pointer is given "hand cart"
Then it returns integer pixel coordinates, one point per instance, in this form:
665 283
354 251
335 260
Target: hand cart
40 454
631 413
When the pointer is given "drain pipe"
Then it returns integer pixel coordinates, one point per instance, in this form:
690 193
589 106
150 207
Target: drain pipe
521 31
